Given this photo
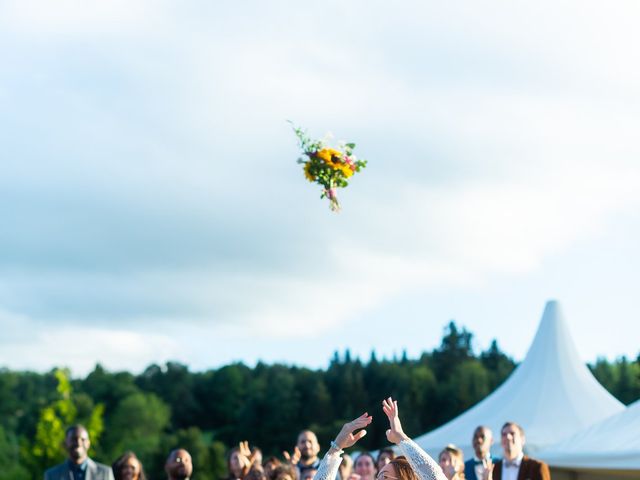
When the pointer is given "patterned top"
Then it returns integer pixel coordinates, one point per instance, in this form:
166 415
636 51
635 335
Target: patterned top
422 464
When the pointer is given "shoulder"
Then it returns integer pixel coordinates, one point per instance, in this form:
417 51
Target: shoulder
99 467
532 461
102 466
533 464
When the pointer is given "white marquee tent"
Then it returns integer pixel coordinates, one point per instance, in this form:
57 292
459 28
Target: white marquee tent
552 394
607 448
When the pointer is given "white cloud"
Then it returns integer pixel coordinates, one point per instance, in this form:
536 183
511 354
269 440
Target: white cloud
163 185
41 346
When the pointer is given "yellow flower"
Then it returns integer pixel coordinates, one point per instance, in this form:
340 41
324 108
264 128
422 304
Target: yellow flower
346 170
327 155
307 173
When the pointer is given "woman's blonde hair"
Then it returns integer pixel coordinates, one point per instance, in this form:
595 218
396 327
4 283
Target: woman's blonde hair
456 454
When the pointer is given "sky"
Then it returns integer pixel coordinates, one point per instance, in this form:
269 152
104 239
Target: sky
153 210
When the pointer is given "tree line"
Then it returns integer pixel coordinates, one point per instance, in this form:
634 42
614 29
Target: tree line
207 412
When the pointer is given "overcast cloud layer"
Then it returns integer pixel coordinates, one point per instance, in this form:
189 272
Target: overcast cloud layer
152 208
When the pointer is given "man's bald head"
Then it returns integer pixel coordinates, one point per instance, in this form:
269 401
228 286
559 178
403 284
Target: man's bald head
178 465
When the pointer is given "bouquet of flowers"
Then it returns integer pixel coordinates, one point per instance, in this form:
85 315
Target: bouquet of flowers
327 166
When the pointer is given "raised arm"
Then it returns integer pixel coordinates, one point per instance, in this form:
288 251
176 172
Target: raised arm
347 437
422 464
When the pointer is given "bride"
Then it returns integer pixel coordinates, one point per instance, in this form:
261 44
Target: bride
414 464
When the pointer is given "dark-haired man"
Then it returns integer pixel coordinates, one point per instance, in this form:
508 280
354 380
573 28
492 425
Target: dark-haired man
515 464
78 466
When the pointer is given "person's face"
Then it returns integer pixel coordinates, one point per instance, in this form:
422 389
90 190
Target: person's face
365 467
482 441
384 459
512 441
236 464
308 445
449 464
388 472
179 466
77 445
130 469
346 466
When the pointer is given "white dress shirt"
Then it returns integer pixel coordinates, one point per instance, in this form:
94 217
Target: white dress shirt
510 469
479 465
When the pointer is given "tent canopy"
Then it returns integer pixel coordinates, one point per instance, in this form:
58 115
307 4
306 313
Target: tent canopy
551 394
613 443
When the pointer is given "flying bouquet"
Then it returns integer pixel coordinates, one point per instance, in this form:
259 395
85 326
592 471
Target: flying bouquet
327 166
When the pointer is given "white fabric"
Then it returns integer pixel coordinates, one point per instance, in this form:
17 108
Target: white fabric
510 472
422 464
329 466
479 469
552 394
612 444
511 468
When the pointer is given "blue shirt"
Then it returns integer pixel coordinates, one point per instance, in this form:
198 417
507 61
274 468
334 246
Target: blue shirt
79 471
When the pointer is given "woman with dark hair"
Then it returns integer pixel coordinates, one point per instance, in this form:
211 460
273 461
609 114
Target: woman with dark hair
128 467
283 472
270 464
415 464
385 455
365 466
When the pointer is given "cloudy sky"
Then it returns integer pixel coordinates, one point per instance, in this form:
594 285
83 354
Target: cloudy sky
152 208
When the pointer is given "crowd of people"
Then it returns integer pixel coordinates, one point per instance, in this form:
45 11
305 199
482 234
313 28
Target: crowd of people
406 461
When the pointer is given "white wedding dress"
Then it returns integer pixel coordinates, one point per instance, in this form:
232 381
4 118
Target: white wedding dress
422 464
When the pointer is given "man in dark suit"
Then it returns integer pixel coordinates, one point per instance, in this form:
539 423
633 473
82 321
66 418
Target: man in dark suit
516 465
78 466
475 467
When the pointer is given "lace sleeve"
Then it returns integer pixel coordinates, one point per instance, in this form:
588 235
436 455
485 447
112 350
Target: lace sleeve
328 468
423 465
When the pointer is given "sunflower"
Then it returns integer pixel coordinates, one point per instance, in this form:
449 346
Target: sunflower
327 154
307 172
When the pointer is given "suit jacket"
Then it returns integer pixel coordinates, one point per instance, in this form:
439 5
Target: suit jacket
530 469
470 468
95 471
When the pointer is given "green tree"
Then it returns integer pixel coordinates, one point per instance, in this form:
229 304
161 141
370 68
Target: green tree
56 417
9 453
137 424
498 365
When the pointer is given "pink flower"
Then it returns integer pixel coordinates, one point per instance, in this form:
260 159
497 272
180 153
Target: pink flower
349 161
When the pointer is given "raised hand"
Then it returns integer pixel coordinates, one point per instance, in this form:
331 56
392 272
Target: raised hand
347 438
395 434
487 474
292 459
243 449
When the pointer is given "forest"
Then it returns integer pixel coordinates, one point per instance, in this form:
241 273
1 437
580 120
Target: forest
207 412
